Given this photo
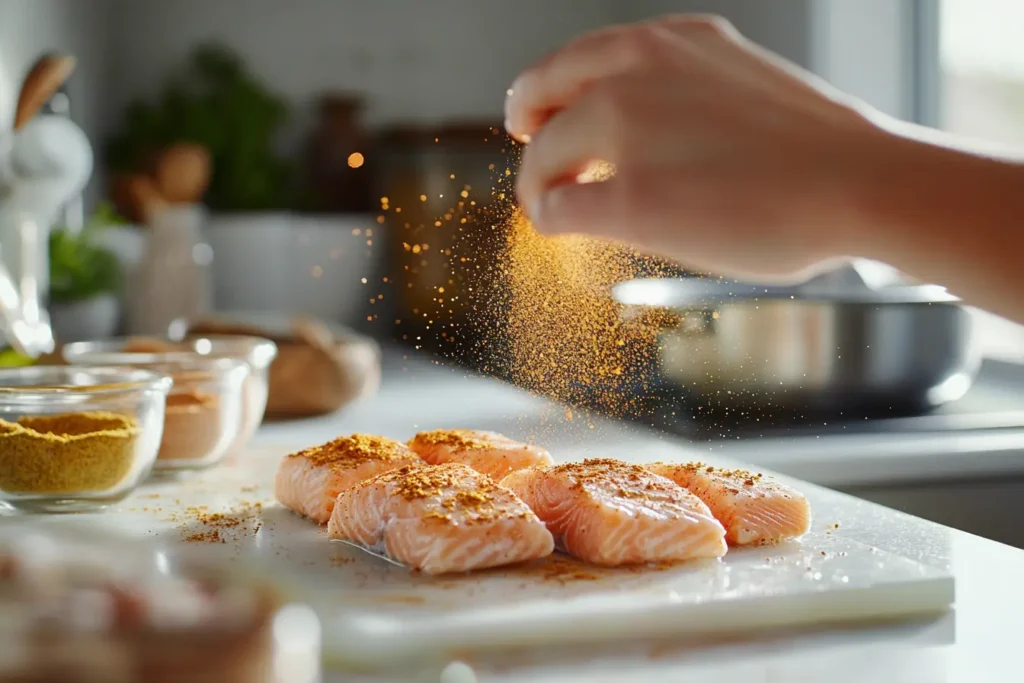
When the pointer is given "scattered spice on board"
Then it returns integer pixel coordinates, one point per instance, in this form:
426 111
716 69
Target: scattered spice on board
67 453
563 570
199 525
560 569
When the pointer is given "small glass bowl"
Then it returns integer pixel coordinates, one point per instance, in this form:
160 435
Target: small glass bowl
74 439
203 417
258 353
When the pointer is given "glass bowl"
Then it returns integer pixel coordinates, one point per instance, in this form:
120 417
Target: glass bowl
77 438
204 407
258 353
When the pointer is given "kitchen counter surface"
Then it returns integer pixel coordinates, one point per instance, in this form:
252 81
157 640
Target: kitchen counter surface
976 643
420 393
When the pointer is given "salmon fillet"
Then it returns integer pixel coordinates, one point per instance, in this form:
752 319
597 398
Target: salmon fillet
440 519
307 482
753 508
611 513
487 452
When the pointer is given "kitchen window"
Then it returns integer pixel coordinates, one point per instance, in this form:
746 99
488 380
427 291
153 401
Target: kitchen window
977 72
981 66
954 64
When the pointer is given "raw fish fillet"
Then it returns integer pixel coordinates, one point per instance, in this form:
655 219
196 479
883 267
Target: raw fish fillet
308 482
754 509
611 513
486 452
440 519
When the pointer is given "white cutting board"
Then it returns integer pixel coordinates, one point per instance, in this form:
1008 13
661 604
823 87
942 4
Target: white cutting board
376 614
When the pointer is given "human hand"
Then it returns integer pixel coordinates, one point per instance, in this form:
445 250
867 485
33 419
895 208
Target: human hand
727 158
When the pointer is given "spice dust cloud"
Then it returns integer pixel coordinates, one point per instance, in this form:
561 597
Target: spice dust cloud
483 288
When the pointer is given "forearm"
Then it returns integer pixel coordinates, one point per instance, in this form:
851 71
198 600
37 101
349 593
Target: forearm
949 217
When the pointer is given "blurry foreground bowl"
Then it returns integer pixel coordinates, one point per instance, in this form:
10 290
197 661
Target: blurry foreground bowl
82 606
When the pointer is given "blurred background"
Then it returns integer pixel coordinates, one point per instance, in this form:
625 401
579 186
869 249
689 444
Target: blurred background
349 161
330 78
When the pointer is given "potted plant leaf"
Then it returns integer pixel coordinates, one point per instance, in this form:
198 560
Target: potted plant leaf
257 209
85 280
214 101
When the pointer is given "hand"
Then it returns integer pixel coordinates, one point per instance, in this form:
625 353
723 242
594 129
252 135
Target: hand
726 157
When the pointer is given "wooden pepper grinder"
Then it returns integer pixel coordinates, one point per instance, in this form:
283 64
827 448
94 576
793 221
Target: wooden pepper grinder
173 280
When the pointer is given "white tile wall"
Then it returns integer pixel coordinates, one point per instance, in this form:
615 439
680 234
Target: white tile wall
415 59
781 25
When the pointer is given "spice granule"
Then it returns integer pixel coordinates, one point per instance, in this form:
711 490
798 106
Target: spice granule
455 439
351 451
451 492
617 478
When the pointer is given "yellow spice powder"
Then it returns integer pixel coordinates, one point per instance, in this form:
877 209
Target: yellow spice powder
67 453
565 333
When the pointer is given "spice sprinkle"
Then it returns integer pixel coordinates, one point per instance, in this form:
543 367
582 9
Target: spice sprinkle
456 439
454 492
348 452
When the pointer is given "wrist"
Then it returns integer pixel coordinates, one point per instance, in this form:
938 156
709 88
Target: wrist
940 213
909 197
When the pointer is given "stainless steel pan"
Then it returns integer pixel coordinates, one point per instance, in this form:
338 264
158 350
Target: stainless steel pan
841 344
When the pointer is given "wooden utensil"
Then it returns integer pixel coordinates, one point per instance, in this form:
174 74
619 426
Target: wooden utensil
145 196
182 173
45 77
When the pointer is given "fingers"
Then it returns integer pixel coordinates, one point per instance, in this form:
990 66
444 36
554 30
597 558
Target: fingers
553 84
581 208
568 145
560 78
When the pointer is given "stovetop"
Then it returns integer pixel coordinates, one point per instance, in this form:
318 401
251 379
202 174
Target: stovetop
995 401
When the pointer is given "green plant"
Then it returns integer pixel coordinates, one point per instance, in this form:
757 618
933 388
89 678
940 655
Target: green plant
215 102
79 268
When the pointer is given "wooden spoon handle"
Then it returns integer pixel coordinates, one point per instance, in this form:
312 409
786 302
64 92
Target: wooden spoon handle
146 196
43 80
182 173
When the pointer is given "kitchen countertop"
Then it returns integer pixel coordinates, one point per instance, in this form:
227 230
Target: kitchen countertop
974 643
842 460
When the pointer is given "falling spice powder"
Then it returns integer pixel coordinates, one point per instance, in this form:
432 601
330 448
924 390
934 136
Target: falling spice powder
551 317
67 453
